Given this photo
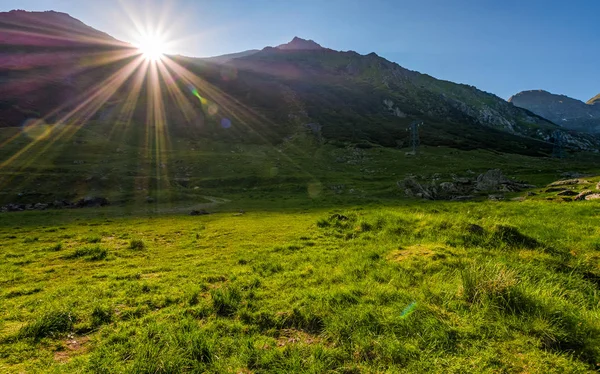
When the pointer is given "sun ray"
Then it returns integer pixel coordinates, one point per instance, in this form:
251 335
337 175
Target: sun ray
98 95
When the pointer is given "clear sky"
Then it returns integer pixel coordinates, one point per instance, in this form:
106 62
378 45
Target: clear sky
501 47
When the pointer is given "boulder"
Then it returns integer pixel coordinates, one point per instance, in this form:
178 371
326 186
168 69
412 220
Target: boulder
567 182
496 197
60 204
598 186
40 206
594 196
494 181
582 195
415 189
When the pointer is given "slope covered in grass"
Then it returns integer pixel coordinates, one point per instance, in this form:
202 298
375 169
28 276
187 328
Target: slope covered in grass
420 287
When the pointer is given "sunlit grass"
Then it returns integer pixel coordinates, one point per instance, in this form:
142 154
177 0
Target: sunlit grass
326 290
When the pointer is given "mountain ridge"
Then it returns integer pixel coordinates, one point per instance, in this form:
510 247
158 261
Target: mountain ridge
561 109
352 97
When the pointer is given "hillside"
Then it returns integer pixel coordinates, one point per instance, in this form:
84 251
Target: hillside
50 61
82 119
565 111
352 97
348 96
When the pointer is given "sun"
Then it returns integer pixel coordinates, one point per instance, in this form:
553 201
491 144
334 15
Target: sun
152 48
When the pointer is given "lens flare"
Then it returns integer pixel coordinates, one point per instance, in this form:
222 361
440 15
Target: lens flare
225 123
36 129
408 310
151 47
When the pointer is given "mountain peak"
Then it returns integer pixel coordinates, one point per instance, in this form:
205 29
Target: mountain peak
300 44
594 100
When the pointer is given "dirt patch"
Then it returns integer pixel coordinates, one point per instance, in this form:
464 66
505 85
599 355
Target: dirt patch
293 336
417 252
72 346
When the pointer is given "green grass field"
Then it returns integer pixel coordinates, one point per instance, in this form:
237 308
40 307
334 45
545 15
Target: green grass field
410 287
330 268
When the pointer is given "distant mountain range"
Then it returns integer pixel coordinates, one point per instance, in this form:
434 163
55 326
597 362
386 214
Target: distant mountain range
565 111
51 60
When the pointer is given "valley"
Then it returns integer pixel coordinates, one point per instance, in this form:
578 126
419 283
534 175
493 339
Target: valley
288 209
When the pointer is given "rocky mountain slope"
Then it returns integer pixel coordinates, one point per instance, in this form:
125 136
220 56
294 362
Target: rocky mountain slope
52 62
565 111
355 97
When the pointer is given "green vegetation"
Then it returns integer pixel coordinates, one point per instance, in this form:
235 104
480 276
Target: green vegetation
311 261
419 287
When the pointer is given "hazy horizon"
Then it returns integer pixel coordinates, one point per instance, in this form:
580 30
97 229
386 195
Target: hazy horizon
499 48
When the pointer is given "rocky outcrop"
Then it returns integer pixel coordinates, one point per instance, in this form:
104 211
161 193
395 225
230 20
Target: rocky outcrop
491 182
582 195
568 182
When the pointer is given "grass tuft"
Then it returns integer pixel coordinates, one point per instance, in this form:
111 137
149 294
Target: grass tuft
96 253
101 315
226 300
137 245
51 324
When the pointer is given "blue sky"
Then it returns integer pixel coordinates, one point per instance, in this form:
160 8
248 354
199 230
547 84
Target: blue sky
501 47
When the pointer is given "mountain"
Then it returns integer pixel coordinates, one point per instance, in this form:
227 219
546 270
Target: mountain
54 62
353 97
230 56
49 60
565 111
297 44
594 100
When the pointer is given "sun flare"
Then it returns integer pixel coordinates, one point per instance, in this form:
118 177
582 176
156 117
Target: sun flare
152 48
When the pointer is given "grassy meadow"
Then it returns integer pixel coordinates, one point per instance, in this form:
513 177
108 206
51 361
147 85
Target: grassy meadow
312 261
501 287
